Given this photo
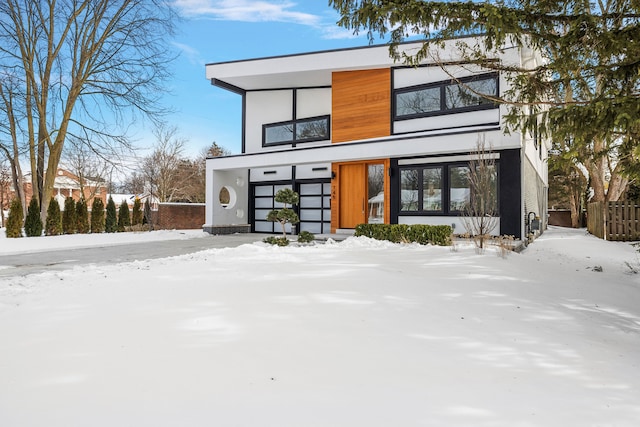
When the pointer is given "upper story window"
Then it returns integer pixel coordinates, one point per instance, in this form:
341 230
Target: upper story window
295 131
469 94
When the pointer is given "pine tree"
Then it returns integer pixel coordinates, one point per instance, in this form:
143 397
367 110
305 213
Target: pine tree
137 214
285 215
124 218
33 223
111 220
69 225
97 216
53 224
14 221
82 216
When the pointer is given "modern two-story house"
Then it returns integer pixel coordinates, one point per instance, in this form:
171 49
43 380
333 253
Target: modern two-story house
364 139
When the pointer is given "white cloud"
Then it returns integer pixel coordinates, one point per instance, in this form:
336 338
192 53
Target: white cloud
192 54
246 11
338 33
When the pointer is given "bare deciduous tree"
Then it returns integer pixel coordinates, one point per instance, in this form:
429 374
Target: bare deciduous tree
89 166
481 215
9 130
160 168
82 67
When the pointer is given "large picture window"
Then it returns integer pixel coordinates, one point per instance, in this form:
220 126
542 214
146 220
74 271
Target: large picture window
443 189
467 94
294 131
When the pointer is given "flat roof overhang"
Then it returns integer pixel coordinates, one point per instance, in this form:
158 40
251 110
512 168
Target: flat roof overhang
313 69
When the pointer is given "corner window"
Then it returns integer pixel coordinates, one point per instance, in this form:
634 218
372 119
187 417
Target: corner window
467 94
294 131
443 189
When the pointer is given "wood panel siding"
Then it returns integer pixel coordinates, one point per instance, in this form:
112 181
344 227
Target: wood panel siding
361 104
353 196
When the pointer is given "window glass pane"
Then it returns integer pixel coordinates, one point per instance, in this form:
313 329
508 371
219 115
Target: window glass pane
409 190
263 227
264 190
312 129
375 196
261 214
315 189
485 189
467 94
418 101
277 188
432 189
278 133
263 202
459 190
310 215
310 202
311 227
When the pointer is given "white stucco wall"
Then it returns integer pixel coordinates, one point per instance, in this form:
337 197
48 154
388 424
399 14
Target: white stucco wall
237 211
313 102
263 108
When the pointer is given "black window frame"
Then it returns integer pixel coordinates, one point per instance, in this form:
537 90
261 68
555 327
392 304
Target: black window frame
442 86
294 124
445 190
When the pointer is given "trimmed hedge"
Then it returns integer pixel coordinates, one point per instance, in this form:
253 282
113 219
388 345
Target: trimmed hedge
418 233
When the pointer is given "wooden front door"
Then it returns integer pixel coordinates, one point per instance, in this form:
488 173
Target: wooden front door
353 196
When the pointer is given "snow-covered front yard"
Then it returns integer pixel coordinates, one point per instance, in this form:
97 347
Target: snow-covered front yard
357 333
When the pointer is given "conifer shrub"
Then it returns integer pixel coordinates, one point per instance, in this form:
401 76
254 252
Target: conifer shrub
137 215
53 223
285 215
14 221
97 216
305 237
82 216
124 217
69 223
111 220
279 241
402 233
33 222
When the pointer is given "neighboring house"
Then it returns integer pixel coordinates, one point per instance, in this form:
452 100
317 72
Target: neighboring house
363 139
66 185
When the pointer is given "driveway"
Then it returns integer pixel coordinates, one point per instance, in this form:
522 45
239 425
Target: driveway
60 259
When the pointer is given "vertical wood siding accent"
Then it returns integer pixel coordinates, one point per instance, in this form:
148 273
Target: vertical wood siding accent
361 104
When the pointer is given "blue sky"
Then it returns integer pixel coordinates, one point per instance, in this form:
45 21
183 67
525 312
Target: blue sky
227 30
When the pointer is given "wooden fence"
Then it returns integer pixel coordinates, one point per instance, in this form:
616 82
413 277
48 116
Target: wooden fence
618 221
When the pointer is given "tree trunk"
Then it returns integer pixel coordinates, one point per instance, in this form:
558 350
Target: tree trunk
574 204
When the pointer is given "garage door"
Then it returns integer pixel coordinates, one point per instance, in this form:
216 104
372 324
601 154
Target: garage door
314 208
